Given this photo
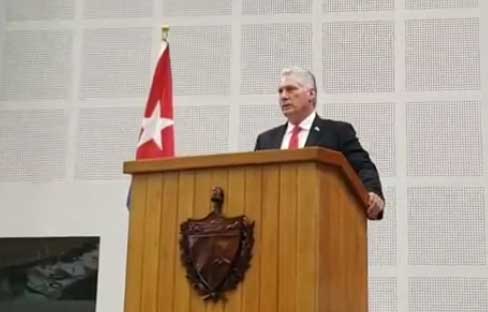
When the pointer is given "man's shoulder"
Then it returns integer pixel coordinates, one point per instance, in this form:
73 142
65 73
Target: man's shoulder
274 130
332 124
271 138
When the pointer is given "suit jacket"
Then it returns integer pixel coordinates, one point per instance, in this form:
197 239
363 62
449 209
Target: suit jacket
335 135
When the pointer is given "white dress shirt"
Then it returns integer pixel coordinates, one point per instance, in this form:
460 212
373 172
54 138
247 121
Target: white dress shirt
305 126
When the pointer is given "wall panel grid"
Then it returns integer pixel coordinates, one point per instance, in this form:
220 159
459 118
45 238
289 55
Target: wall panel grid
267 48
272 7
444 138
440 4
202 129
383 294
189 8
36 65
206 48
106 138
32 145
450 294
446 225
117 8
357 5
442 54
115 62
28 10
358 57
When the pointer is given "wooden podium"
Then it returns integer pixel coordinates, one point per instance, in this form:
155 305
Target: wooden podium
310 250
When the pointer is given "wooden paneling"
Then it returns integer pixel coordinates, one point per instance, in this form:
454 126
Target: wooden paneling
136 244
235 207
220 178
201 208
186 194
287 242
307 237
310 235
342 248
150 254
268 261
168 256
252 209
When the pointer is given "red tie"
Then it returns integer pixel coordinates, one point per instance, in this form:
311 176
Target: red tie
294 138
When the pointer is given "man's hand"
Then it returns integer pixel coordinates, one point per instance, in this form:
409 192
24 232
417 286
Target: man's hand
375 207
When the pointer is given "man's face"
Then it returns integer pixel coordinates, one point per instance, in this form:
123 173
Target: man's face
296 100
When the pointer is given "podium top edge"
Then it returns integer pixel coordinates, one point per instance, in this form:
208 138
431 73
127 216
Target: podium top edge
263 157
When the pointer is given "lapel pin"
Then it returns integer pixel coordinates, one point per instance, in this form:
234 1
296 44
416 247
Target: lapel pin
316 129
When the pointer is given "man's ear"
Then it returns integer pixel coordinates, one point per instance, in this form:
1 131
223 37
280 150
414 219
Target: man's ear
313 93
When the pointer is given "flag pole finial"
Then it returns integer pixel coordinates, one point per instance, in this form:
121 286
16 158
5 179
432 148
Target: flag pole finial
164 32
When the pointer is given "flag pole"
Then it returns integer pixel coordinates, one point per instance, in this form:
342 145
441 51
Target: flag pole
161 87
164 33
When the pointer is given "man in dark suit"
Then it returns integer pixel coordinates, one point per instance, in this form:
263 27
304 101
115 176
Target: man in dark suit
298 98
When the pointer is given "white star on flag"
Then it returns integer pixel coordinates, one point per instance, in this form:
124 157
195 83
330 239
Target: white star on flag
152 127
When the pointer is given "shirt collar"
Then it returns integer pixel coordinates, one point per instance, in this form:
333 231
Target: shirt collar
306 124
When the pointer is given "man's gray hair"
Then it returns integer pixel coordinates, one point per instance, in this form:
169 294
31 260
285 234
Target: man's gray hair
304 76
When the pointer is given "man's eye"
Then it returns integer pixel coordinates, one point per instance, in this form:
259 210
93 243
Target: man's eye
287 89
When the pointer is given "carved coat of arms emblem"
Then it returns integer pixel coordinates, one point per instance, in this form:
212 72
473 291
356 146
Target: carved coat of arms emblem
216 251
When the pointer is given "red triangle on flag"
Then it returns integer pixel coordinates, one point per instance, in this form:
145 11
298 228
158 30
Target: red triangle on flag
156 139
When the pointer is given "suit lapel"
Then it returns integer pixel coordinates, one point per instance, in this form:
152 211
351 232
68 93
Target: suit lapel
278 138
314 134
